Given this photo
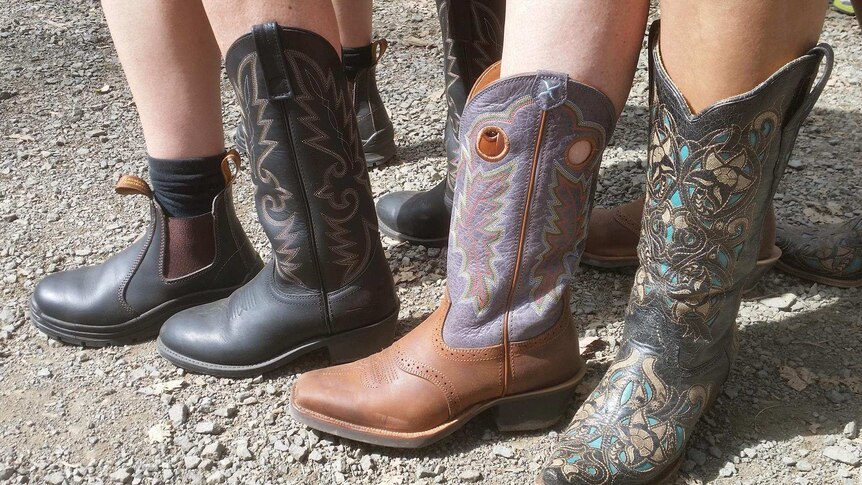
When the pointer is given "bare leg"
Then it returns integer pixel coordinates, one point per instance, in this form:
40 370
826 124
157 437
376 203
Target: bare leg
714 50
232 19
354 22
599 45
171 61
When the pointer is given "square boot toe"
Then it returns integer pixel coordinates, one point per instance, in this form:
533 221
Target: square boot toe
360 396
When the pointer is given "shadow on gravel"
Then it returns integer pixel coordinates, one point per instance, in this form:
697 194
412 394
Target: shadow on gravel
758 405
432 147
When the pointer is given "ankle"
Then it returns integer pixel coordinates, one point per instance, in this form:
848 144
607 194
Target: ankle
186 187
356 59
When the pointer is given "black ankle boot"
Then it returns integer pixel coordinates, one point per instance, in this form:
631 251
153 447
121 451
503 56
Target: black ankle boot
472 41
127 298
328 284
710 179
375 128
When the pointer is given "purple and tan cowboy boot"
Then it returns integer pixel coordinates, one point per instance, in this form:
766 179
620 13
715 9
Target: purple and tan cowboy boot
503 336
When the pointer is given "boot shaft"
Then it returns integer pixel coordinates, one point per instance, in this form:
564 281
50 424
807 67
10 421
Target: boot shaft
312 192
531 147
472 41
374 126
710 180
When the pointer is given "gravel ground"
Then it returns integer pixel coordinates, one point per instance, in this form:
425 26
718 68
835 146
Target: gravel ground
68 128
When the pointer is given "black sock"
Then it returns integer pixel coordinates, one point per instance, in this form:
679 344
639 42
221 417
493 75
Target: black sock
356 59
187 187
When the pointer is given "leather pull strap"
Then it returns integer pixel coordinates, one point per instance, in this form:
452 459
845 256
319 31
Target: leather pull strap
132 185
230 166
826 58
267 41
378 48
491 74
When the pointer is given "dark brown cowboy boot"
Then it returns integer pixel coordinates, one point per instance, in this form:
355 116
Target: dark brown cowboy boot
127 298
328 284
830 253
472 41
503 336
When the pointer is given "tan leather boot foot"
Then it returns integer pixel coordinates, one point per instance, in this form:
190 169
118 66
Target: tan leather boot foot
612 240
421 390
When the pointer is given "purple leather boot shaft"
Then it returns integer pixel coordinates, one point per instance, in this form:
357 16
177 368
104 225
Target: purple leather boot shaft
531 147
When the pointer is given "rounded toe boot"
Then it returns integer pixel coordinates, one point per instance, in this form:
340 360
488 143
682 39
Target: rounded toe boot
128 297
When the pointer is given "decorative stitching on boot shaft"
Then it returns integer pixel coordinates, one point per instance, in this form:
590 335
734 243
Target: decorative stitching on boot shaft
287 240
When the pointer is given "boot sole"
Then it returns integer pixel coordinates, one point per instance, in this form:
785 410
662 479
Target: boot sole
344 347
140 329
415 241
528 411
825 280
666 478
760 269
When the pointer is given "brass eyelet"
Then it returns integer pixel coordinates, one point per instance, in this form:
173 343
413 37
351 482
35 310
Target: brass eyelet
492 144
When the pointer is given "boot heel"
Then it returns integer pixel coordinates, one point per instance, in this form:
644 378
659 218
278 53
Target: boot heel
535 411
362 342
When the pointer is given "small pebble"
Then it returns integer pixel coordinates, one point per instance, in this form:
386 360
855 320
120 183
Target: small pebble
728 470
503 451
470 476
851 430
208 427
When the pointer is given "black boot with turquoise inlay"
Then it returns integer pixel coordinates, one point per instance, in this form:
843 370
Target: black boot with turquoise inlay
711 177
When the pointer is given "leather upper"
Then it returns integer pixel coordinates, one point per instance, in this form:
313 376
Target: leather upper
312 191
132 282
442 382
328 272
375 127
472 41
521 211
